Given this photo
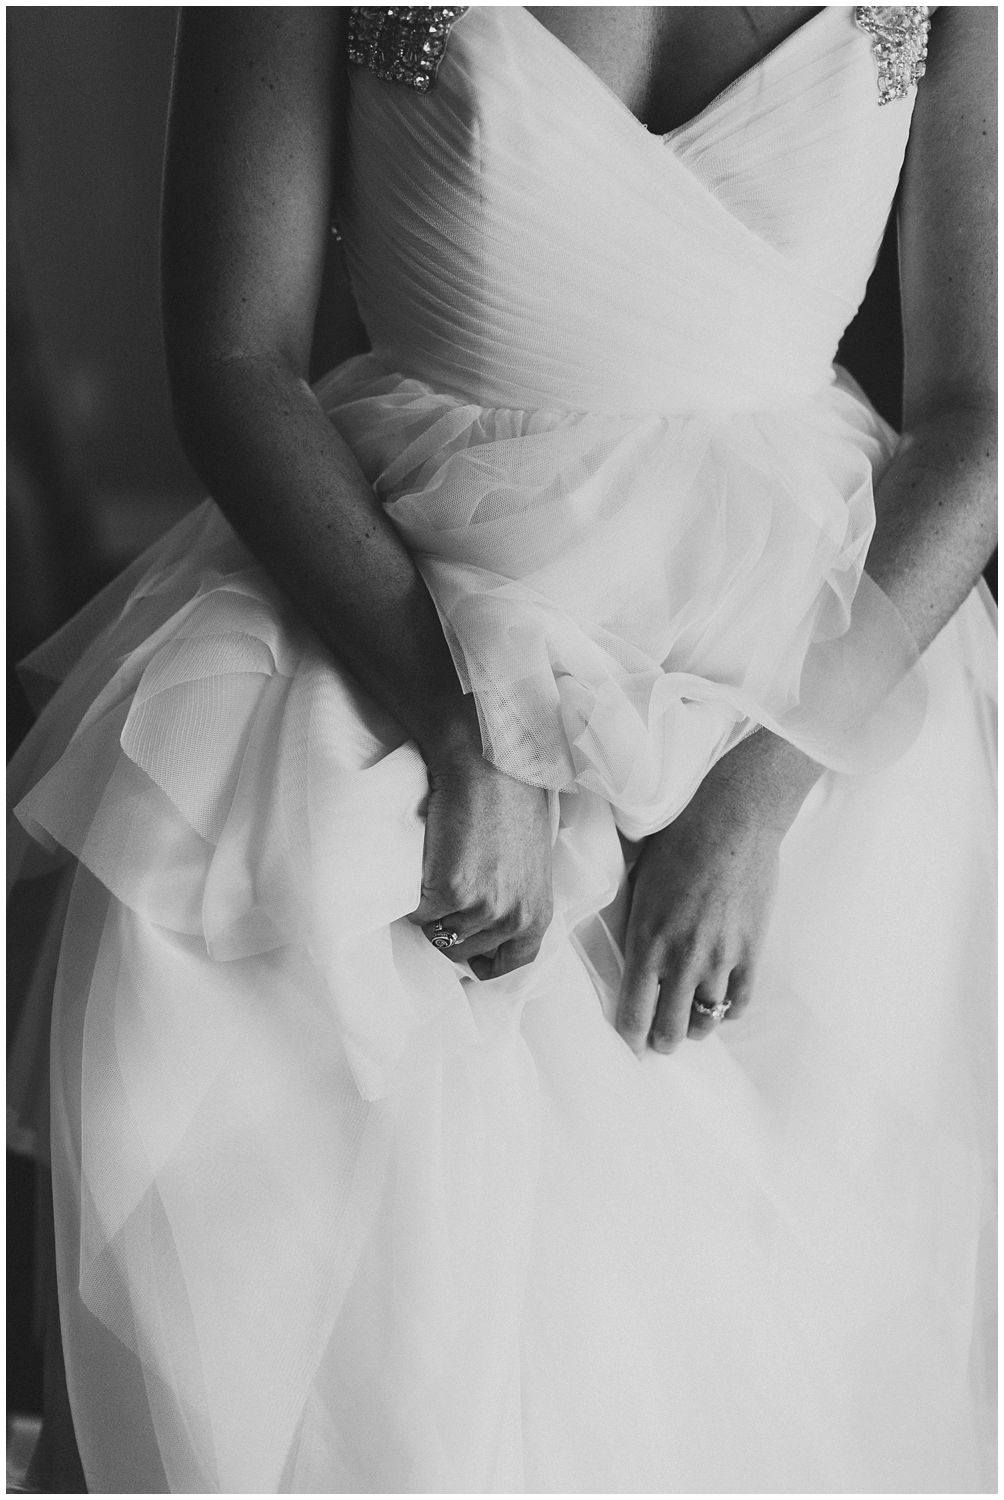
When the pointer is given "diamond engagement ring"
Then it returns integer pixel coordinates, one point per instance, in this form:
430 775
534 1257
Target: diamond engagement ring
713 1012
444 938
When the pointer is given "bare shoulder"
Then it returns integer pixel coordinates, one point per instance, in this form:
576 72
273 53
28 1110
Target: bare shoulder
948 214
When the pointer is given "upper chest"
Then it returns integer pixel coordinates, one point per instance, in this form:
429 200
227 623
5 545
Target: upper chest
667 62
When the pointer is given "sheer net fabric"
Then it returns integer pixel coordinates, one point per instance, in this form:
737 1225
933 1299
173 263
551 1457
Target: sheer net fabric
334 1217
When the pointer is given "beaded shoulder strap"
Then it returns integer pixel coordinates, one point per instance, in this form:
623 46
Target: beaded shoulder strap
899 42
406 43
401 43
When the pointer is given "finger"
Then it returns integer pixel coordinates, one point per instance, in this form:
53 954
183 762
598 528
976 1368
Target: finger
482 966
672 1014
460 925
442 903
740 990
431 908
711 992
511 941
515 953
637 1001
482 942
479 942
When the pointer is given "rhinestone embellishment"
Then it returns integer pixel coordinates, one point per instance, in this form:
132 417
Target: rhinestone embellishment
401 43
899 42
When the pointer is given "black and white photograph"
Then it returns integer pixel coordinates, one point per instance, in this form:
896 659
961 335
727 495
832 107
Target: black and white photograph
502 715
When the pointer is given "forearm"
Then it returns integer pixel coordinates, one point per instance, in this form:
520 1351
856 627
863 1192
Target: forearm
294 493
936 517
935 530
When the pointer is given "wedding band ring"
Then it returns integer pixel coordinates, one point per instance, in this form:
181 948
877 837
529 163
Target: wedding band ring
713 1012
444 938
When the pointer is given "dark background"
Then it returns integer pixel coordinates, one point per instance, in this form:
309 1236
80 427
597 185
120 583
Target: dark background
95 472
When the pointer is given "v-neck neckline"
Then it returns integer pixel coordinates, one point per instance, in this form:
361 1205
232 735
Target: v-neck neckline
730 88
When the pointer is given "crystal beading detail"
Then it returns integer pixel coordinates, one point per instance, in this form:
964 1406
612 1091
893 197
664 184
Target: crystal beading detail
401 43
899 42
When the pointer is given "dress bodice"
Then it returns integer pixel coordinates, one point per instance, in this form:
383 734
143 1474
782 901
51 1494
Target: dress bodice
601 407
517 236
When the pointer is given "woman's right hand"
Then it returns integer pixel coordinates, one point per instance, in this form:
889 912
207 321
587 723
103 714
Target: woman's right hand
486 871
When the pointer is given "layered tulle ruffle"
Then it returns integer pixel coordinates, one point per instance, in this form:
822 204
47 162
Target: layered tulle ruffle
206 763
335 1217
626 599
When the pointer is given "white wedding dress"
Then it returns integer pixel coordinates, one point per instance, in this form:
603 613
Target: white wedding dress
333 1216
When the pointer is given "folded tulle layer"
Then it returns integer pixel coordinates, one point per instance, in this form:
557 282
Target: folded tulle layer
626 597
623 599
337 1219
334 1217
208 765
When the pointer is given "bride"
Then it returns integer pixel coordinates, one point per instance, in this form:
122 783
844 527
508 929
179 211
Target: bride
584 673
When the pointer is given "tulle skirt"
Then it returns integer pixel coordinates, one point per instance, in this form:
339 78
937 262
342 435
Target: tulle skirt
332 1216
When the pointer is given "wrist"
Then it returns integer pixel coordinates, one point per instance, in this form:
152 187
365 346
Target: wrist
770 777
450 735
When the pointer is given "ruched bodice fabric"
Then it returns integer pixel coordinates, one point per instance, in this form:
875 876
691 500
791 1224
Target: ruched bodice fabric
518 237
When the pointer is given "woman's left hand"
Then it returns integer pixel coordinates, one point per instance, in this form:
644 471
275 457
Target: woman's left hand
702 893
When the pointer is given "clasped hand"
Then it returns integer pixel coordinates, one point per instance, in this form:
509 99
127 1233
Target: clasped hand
486 870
